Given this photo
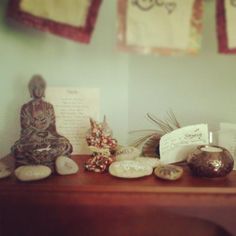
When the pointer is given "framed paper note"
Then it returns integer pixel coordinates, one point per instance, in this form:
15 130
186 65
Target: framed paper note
73 108
73 19
175 146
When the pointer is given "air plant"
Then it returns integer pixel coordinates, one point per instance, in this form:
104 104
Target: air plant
150 140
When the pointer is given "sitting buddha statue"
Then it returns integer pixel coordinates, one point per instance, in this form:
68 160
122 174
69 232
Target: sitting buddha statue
39 143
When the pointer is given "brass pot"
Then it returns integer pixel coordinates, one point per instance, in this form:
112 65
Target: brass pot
210 161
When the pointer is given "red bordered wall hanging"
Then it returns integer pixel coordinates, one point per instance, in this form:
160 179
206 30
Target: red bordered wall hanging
223 27
50 20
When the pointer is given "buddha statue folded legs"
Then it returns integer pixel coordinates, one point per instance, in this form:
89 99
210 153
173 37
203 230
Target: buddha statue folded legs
41 154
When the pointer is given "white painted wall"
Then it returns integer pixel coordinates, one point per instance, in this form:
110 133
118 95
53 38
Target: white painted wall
198 89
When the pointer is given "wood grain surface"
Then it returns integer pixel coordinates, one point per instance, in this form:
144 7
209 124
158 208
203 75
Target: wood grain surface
100 204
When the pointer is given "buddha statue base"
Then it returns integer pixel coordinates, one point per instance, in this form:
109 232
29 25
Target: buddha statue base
46 155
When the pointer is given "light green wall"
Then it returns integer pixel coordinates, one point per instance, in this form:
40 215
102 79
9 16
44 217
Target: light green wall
198 89
24 52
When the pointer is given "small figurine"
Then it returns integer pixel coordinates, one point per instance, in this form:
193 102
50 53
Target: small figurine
39 143
100 136
102 145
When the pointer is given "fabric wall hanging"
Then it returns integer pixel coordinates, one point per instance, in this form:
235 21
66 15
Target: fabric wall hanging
160 26
226 30
72 19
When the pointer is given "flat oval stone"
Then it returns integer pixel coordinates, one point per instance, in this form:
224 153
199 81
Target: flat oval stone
153 162
127 153
130 169
169 172
32 173
5 171
66 166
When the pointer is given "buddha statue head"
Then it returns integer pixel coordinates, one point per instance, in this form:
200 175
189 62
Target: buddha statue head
37 86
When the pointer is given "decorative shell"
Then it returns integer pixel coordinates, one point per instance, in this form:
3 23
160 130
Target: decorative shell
169 172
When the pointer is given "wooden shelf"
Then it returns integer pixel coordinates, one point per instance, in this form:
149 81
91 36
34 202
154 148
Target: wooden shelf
91 197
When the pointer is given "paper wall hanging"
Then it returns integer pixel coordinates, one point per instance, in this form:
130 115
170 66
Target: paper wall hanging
72 19
160 27
226 30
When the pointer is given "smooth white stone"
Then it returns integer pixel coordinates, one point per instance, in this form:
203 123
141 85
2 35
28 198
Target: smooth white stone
5 171
130 169
127 153
153 162
32 173
66 166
